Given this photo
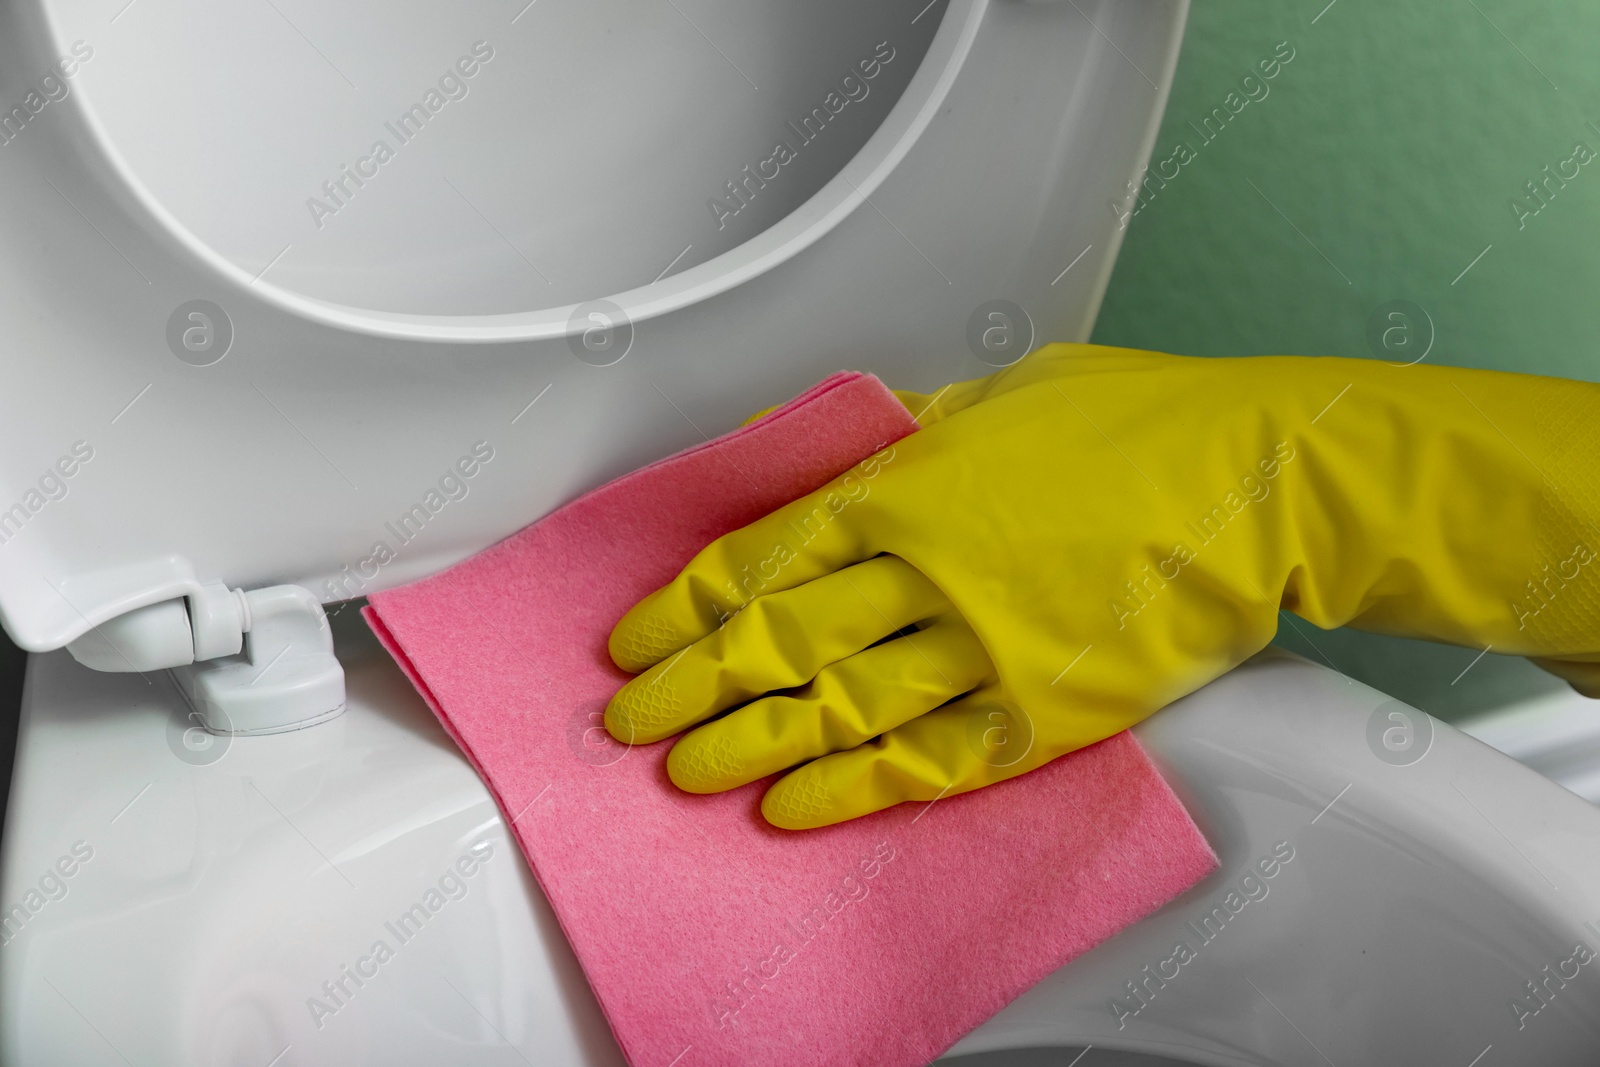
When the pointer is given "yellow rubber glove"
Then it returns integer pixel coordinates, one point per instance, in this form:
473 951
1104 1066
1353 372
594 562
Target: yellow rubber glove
1071 544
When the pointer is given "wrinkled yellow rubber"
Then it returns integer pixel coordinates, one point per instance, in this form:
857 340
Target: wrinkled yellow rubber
1095 532
780 641
848 702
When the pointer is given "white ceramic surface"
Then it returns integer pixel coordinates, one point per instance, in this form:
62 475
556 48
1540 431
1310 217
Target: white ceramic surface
227 885
262 401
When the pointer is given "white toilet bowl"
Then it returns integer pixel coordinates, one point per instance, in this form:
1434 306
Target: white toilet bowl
227 882
1432 879
250 347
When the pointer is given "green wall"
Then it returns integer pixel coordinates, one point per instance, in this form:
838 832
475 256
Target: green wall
1375 166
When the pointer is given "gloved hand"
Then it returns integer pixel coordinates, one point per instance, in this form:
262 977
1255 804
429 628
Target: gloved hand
1074 542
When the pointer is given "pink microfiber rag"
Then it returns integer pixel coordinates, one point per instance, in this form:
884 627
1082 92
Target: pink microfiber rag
709 937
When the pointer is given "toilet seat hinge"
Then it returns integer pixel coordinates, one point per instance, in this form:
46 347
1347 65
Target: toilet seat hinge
249 662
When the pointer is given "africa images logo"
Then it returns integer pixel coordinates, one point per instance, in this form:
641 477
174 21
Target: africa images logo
852 88
453 486
338 191
338 991
736 993
1252 888
50 89
51 486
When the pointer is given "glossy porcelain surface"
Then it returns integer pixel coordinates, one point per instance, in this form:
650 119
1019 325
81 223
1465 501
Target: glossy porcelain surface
539 283
1408 902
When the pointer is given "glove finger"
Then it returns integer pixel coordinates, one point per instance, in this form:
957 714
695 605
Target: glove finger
796 544
781 640
965 745
848 702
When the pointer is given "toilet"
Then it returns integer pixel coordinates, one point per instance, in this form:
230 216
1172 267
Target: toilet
306 303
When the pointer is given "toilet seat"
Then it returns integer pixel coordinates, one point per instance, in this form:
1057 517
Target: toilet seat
278 450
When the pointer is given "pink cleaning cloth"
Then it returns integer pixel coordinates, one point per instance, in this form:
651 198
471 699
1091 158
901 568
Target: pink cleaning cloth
709 937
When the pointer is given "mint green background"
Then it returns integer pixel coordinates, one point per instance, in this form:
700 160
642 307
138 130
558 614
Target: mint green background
1394 141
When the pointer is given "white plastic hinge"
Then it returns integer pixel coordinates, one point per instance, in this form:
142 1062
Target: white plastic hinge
256 662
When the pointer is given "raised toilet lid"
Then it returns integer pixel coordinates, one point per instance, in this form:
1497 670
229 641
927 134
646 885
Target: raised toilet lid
271 272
